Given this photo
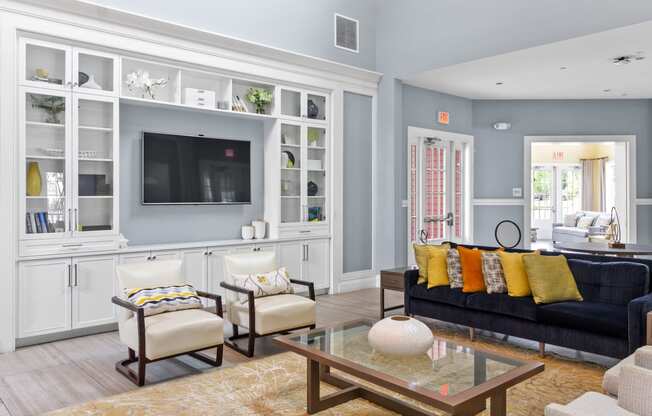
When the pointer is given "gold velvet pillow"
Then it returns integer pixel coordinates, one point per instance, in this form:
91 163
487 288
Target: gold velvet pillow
437 268
550 278
421 254
514 271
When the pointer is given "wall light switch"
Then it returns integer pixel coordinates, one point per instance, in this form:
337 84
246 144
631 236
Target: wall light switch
517 192
404 203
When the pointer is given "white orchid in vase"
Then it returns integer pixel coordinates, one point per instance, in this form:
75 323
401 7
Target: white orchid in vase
140 83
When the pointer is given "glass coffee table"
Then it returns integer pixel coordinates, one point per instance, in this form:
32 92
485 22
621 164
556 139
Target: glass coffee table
454 378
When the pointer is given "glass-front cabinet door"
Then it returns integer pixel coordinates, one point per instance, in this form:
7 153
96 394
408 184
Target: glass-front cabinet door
45 64
303 105
95 147
45 137
95 72
303 173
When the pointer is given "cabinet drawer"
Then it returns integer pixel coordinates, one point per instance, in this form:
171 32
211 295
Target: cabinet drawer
392 281
39 248
304 231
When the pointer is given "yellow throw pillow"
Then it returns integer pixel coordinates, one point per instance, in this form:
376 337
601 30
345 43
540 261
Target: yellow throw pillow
421 253
515 275
551 280
437 268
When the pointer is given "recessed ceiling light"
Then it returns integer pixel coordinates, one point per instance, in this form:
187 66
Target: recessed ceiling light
623 94
627 59
499 83
607 90
563 68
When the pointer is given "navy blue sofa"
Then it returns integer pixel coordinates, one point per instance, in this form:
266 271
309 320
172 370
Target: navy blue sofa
610 321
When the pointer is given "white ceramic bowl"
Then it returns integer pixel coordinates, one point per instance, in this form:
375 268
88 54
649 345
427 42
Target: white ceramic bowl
400 336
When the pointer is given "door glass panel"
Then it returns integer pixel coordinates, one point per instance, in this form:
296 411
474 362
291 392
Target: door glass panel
413 192
459 193
316 107
45 144
95 72
95 166
316 166
434 191
542 203
290 103
43 64
571 187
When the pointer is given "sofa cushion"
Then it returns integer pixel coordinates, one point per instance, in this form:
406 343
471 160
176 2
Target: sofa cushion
579 232
441 294
519 307
601 318
550 278
615 283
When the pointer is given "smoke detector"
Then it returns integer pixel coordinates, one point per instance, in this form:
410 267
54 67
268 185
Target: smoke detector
627 59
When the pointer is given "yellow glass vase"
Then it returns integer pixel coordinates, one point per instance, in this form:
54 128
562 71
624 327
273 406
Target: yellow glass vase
33 179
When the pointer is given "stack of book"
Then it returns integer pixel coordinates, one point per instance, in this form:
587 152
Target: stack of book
38 222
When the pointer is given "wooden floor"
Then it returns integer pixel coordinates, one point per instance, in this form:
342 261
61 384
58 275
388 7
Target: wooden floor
40 378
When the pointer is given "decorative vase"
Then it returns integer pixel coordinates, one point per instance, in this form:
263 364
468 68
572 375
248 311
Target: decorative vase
33 179
400 336
313 188
247 232
260 227
313 110
91 83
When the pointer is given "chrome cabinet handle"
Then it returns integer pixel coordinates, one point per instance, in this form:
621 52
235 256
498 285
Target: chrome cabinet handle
69 276
72 245
307 252
69 219
76 219
76 279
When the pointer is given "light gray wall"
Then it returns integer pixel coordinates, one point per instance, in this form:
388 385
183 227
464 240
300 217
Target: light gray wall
357 183
297 25
499 154
420 108
143 224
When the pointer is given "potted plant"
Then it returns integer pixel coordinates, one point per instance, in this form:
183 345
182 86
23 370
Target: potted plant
259 97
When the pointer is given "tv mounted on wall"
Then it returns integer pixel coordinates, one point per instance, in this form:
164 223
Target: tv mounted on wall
195 170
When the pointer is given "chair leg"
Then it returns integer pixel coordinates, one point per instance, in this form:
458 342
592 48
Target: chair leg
122 367
142 363
542 349
472 334
251 344
235 330
214 362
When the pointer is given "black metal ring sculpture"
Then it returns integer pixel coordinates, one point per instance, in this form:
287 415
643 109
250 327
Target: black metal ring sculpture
520 235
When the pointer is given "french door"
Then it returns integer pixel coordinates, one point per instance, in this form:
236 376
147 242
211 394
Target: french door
439 188
556 192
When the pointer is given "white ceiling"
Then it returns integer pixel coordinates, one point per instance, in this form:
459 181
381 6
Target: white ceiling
536 73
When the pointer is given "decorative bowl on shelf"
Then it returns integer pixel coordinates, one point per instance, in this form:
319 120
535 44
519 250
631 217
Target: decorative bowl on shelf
400 336
87 154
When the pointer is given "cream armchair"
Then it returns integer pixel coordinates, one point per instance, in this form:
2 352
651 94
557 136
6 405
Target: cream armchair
264 315
168 334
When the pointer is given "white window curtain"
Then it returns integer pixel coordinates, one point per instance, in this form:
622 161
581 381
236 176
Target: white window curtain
594 184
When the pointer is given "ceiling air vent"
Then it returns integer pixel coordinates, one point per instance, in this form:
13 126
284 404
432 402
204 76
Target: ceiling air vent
346 33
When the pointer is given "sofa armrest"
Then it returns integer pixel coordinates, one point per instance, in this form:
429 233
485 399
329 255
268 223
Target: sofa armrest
649 328
309 285
639 322
557 224
597 230
410 279
554 409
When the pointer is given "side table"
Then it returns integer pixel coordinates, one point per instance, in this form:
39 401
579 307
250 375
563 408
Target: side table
391 279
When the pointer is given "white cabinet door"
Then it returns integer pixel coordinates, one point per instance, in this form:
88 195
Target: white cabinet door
291 256
195 268
316 265
166 255
216 270
44 297
92 288
135 258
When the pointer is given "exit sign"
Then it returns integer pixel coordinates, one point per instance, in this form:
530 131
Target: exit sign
443 117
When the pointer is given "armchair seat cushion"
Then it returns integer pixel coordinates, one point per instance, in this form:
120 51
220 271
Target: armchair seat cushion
601 318
173 333
574 231
589 404
275 313
611 378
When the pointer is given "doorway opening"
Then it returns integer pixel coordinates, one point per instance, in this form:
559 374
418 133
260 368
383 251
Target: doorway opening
572 184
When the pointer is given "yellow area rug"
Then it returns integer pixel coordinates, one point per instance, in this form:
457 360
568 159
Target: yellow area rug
276 385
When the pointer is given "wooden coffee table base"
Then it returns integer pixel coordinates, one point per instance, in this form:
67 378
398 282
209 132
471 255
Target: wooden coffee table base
350 390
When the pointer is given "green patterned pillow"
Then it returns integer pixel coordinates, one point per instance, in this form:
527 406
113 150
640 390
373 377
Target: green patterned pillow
155 300
264 284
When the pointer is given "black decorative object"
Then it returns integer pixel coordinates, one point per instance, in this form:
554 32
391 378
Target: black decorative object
313 189
83 78
290 158
313 110
506 233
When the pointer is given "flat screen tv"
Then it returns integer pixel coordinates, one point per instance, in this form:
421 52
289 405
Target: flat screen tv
195 170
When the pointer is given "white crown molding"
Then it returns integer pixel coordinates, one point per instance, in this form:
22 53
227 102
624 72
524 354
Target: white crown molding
499 201
163 27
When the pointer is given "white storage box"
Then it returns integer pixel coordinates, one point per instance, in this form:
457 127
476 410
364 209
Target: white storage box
315 164
199 98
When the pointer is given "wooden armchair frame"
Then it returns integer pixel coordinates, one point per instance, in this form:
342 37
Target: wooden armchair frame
251 334
139 378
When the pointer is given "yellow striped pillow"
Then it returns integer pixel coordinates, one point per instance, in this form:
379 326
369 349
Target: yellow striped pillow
155 300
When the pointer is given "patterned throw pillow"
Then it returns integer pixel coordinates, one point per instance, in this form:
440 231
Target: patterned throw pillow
454 269
492 271
155 300
585 222
264 284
